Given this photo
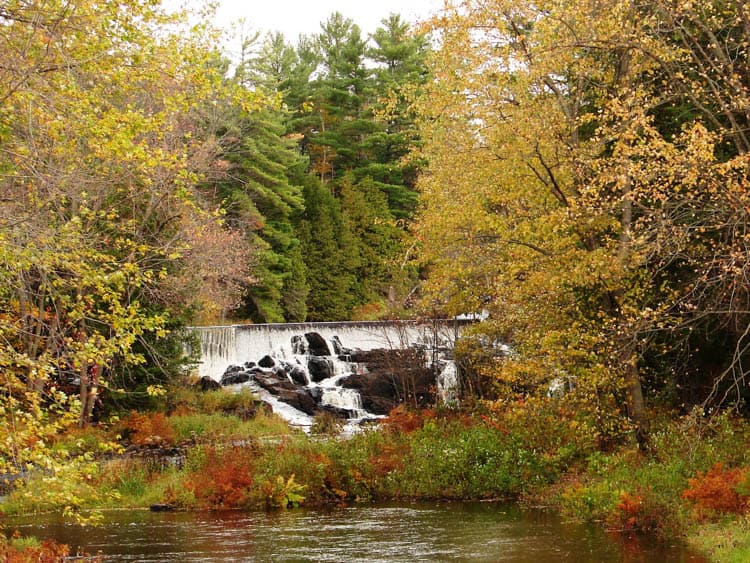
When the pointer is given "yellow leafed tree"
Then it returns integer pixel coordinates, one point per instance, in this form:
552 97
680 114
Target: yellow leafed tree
576 164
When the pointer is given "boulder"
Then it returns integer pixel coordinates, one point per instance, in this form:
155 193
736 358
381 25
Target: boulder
299 346
392 377
272 383
266 362
377 390
317 345
299 399
339 349
338 412
297 373
234 377
319 368
207 383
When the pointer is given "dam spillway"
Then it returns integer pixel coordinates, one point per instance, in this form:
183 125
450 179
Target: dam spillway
355 370
222 346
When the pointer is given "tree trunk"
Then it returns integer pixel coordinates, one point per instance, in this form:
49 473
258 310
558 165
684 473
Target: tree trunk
636 404
629 356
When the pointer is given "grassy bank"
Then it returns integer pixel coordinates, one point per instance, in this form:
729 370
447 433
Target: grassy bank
219 451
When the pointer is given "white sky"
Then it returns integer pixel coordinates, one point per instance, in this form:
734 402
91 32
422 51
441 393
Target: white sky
293 17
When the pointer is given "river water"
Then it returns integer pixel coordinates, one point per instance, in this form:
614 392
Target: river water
459 531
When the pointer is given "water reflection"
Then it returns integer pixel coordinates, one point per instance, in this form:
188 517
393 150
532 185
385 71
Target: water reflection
383 533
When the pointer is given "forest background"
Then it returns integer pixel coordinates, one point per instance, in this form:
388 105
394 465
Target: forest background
577 169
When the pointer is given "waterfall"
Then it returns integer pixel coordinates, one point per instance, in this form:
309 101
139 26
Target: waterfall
299 368
447 382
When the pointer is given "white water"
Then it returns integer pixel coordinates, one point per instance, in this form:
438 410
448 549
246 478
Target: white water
222 346
447 382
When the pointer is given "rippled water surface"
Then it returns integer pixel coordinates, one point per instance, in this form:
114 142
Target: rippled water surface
405 532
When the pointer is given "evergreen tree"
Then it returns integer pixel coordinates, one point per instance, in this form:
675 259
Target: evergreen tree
261 201
330 254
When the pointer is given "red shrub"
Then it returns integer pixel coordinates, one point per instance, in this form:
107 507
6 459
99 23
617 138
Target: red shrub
390 458
48 552
405 420
225 479
149 429
716 491
629 511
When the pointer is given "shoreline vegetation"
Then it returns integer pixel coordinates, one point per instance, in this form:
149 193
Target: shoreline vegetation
575 173
220 450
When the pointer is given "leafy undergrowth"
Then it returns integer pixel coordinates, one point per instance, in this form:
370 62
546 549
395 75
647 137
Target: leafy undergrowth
415 454
18 549
694 482
727 541
695 476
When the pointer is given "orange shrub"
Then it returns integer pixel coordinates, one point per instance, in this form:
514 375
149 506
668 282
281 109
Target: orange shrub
405 420
48 551
225 479
389 458
717 491
149 429
629 511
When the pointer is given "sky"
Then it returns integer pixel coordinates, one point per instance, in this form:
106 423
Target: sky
293 17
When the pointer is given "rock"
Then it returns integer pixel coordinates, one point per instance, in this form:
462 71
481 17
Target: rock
299 346
206 383
161 508
338 412
266 362
249 365
319 368
339 348
273 383
392 376
378 392
298 374
317 345
235 377
299 399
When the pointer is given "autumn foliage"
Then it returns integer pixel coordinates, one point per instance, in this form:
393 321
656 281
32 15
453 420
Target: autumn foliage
48 551
223 479
149 429
719 490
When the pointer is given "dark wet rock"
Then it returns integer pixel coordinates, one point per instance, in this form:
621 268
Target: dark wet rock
162 507
266 362
298 398
298 374
378 357
207 383
234 378
249 365
273 383
319 368
317 345
233 369
378 392
392 377
338 412
339 349
299 345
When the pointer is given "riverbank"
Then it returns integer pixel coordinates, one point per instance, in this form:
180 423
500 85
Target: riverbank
219 451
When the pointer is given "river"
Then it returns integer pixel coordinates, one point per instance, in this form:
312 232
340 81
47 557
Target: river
456 531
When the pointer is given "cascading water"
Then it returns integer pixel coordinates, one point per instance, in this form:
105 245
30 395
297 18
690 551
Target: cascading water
447 381
300 369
